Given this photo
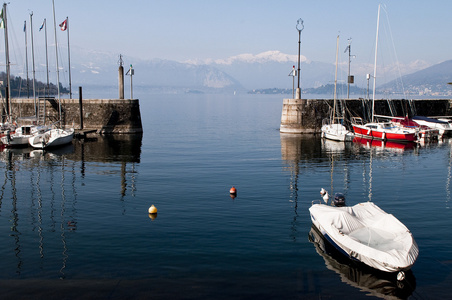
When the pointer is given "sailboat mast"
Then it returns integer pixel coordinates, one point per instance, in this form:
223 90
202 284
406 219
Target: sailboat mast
375 62
8 67
47 58
33 63
69 58
57 66
26 57
335 81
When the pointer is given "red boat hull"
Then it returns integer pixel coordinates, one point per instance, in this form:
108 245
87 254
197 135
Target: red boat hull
382 134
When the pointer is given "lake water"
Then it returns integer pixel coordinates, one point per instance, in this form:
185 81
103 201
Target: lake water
74 222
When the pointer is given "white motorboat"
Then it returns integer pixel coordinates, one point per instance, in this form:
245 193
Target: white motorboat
376 283
444 128
366 233
21 135
51 138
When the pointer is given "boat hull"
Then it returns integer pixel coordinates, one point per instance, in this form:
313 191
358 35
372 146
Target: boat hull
15 141
336 132
383 134
52 138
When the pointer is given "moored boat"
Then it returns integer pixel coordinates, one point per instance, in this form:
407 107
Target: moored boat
336 132
444 128
332 129
425 133
377 283
366 233
385 131
21 135
52 138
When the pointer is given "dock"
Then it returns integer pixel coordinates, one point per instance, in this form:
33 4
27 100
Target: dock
103 116
305 116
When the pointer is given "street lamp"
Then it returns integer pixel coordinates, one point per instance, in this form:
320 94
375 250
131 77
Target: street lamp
300 28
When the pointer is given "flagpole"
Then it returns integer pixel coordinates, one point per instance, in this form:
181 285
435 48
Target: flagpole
57 67
26 57
33 62
69 58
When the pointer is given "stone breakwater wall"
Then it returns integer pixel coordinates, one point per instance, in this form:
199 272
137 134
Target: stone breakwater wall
306 115
105 116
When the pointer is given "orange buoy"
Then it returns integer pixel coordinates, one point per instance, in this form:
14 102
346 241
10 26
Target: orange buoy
233 191
152 209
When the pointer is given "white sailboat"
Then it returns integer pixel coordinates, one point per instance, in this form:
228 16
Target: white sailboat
28 129
21 135
52 138
55 136
6 123
332 130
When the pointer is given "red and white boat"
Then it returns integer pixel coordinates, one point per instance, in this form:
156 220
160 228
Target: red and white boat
426 134
382 130
386 131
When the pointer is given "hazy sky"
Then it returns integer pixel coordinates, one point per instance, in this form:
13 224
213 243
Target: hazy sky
208 29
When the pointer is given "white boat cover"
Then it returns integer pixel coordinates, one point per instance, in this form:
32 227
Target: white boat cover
367 233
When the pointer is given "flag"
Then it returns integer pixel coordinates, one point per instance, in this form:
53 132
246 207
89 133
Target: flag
63 25
2 21
43 23
25 26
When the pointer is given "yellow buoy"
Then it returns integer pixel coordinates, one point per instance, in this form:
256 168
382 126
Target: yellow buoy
152 209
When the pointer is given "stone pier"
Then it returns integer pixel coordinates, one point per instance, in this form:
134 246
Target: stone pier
104 116
304 116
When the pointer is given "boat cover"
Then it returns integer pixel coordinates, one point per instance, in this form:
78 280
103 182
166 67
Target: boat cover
368 234
421 118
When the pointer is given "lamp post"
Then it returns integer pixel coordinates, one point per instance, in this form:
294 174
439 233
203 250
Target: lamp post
300 28
350 78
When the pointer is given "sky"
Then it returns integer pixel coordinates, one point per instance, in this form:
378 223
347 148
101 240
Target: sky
183 30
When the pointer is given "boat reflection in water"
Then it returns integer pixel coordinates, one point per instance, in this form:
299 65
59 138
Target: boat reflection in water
377 283
41 194
389 145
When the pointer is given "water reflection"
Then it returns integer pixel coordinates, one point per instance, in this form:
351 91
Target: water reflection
376 283
385 145
40 195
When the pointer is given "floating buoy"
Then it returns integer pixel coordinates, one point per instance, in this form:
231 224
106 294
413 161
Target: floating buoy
152 209
233 191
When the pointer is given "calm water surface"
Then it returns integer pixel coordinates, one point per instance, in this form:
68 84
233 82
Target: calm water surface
74 221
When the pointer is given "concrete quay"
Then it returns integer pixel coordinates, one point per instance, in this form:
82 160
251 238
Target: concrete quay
103 116
305 116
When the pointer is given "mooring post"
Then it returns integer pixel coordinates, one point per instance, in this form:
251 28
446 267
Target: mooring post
121 77
80 106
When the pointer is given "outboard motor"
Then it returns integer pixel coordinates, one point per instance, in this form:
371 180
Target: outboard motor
339 200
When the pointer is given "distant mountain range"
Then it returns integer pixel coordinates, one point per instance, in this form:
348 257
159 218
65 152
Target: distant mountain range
240 73
431 80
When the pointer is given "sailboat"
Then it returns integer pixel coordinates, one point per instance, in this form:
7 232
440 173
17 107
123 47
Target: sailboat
21 135
55 136
29 127
332 130
52 138
382 130
6 124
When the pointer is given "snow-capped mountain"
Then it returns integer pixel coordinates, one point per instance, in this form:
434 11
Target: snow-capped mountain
244 72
